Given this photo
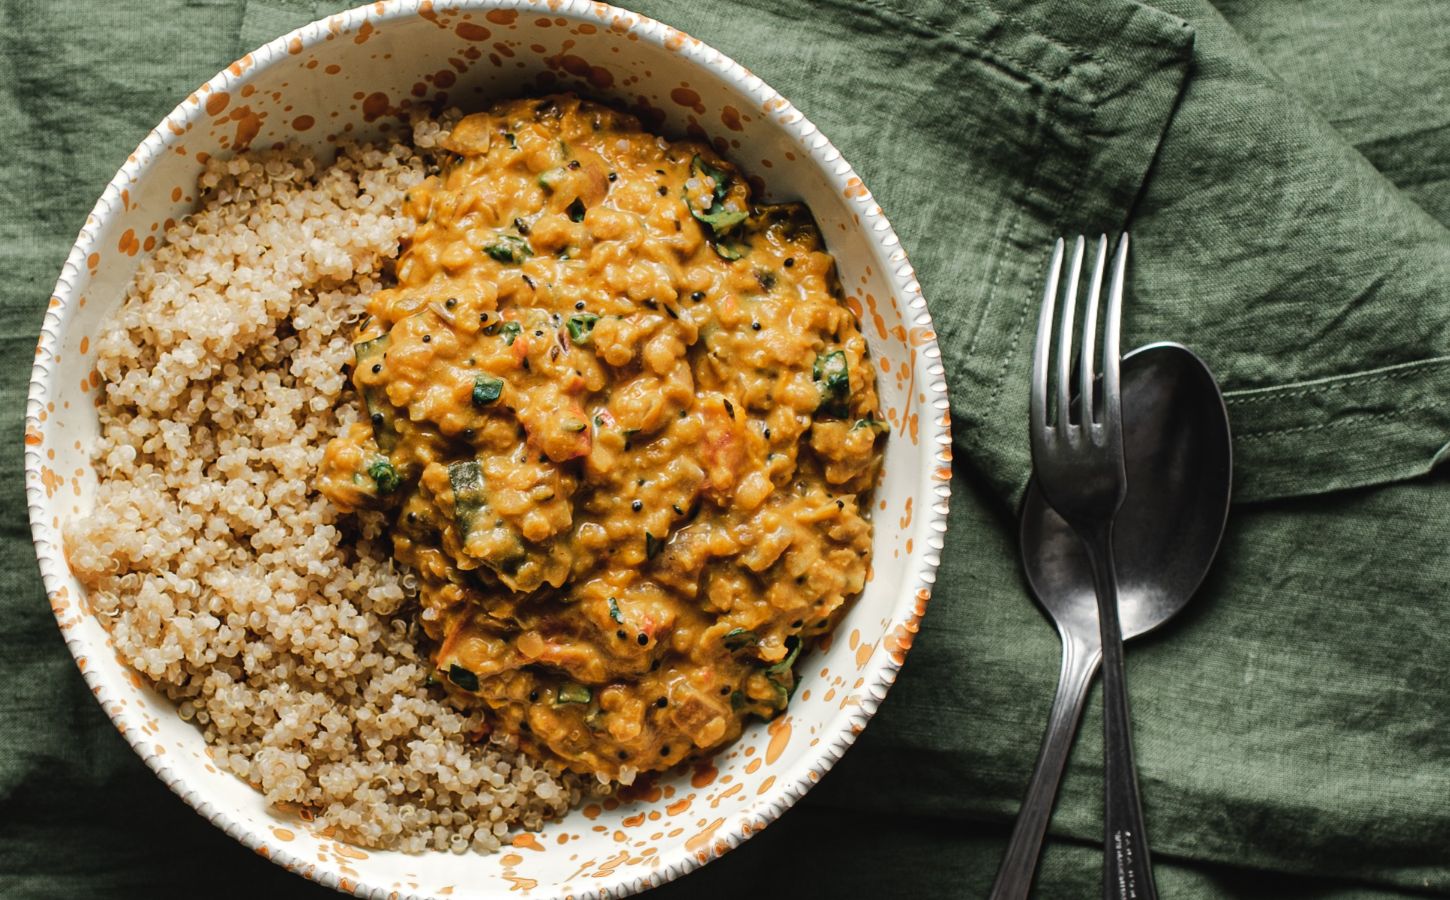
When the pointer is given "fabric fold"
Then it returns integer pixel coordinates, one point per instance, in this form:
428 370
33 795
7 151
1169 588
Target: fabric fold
1347 431
1070 101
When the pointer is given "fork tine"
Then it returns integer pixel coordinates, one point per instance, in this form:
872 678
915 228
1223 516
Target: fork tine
1043 347
1112 401
1090 334
1064 336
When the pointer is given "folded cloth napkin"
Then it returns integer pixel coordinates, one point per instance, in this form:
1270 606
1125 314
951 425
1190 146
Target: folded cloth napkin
1285 170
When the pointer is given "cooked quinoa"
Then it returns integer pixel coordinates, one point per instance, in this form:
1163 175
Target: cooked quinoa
280 626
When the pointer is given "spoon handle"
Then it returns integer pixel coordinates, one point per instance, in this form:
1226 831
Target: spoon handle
1079 663
1127 870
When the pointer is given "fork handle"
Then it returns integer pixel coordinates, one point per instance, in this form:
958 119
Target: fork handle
1127 870
1079 664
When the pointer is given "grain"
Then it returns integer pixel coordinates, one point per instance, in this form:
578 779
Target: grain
278 625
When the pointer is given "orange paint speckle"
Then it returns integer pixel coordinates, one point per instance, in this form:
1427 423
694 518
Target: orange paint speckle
765 785
906 519
363 33
510 859
217 102
726 795
899 641
302 123
240 65
863 654
876 317
471 31
128 243
294 46
248 125
702 838
855 189
527 841
731 117
502 16
374 106
679 806
779 736
283 834
52 480
688 98
752 767
704 775
598 76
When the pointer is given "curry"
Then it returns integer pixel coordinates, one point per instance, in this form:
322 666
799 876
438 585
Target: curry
625 430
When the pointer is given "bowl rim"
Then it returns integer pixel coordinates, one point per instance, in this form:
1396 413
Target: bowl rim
933 446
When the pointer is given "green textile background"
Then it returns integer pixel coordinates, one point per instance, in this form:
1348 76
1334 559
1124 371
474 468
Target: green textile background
1284 166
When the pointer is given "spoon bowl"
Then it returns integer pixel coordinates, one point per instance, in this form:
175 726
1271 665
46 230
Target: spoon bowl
1178 457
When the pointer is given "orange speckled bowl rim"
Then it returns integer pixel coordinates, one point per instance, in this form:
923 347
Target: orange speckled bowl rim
934 447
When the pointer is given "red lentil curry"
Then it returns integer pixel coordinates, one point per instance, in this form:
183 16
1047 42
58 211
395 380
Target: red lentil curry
626 430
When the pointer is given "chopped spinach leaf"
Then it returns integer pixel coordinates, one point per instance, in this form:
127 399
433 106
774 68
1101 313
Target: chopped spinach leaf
738 638
486 389
717 216
509 249
581 327
730 250
874 424
380 411
794 645
573 693
833 380
385 475
469 499
462 677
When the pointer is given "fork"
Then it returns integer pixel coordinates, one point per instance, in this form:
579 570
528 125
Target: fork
1077 456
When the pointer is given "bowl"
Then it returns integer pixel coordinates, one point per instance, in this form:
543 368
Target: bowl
356 71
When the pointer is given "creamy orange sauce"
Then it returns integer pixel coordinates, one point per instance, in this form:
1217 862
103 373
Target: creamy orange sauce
627 429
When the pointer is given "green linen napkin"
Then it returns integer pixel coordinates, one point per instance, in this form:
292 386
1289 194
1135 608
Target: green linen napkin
1285 170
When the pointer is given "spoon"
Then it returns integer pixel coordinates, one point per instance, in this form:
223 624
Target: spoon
1179 463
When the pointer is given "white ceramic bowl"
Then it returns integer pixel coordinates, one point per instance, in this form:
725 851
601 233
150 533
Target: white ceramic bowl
353 69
